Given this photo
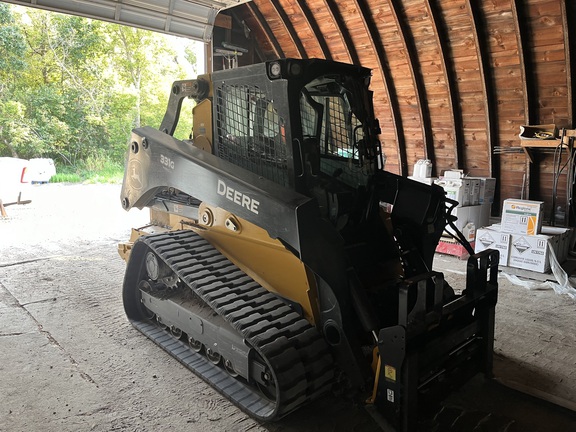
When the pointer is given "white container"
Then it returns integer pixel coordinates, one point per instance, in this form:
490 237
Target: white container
485 211
456 189
426 168
453 174
416 170
429 180
13 180
487 187
469 231
422 168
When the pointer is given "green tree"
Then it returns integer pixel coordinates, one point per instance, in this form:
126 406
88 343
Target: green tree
14 127
73 88
12 44
147 64
62 84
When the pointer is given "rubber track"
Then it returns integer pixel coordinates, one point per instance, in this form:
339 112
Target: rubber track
294 349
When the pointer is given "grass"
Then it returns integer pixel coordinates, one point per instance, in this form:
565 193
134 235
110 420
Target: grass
109 172
66 177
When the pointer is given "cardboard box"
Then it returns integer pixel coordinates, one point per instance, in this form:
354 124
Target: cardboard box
474 191
466 215
477 215
522 216
530 252
485 213
467 195
543 131
564 237
487 189
490 238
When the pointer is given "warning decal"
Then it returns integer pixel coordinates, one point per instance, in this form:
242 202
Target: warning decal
486 239
521 245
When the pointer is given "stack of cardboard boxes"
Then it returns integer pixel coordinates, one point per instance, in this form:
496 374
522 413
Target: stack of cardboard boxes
522 240
474 195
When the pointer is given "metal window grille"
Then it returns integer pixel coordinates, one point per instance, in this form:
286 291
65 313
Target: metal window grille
337 137
250 132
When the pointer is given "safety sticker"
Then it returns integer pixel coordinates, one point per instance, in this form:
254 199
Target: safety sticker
390 395
487 240
390 372
521 245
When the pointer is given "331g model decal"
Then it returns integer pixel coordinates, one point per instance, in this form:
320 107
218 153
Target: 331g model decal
238 197
166 161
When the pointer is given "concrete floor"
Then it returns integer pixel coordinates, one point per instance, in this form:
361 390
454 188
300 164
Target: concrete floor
71 362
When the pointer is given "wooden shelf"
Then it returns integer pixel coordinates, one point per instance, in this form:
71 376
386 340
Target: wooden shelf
528 144
552 143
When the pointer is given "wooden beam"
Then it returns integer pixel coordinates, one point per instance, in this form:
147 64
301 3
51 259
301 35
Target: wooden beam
488 87
266 28
314 26
441 34
289 28
409 45
256 55
569 27
378 47
343 31
529 88
223 21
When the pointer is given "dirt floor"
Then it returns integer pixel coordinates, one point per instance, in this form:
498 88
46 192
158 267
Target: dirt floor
70 361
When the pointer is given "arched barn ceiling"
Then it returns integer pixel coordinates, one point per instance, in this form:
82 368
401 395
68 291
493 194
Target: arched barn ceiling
453 80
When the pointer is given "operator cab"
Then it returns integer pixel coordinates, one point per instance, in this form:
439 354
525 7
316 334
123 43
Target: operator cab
305 124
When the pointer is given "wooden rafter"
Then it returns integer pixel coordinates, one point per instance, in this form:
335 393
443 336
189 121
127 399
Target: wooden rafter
441 35
378 47
255 12
342 31
568 17
490 105
529 88
315 28
409 45
529 95
289 28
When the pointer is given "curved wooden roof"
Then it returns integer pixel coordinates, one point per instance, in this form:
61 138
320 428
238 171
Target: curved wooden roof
453 79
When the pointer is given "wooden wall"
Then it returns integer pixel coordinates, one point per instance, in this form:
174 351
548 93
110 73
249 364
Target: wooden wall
453 79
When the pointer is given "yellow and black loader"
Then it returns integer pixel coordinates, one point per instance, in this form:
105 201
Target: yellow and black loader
283 262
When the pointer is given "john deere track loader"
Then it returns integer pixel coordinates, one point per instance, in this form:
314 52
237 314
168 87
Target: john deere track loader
283 262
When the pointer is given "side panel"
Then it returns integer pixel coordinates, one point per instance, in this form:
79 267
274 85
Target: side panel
265 260
158 161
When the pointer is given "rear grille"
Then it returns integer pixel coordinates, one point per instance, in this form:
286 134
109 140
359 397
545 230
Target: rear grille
250 132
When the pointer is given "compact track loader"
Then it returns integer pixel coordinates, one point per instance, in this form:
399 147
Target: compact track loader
282 262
